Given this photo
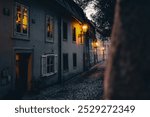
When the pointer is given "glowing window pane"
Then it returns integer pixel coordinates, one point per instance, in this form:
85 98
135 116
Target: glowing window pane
18 18
25 24
50 27
25 11
21 19
24 29
25 20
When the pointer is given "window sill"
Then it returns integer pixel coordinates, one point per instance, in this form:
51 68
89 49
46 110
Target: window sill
47 41
21 37
50 74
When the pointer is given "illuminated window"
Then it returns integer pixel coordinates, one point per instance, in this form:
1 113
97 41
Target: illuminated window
49 29
49 64
21 22
81 38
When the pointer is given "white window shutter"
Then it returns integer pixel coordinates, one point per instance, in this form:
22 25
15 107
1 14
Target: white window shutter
44 65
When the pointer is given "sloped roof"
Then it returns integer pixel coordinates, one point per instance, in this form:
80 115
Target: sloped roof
73 9
63 6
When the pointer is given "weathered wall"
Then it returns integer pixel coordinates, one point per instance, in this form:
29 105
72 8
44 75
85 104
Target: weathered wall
71 47
5 45
36 42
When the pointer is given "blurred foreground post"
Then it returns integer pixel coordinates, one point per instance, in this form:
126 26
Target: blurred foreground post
128 72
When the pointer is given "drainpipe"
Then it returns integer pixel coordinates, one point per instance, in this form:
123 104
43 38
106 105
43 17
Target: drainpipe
59 52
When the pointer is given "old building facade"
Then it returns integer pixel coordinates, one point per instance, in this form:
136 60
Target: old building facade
29 50
40 43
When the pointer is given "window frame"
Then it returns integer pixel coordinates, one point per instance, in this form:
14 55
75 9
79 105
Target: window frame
50 39
44 65
66 70
74 34
74 66
81 38
65 37
15 33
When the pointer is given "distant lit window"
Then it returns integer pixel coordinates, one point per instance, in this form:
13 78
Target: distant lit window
65 31
74 34
49 28
49 64
21 19
81 38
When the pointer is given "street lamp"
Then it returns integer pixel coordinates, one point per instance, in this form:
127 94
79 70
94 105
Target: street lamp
103 49
85 28
95 46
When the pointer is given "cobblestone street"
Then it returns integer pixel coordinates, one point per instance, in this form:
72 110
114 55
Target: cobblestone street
87 86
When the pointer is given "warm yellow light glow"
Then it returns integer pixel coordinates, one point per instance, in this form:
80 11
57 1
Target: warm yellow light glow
25 17
18 18
79 32
85 27
17 57
103 48
25 20
97 44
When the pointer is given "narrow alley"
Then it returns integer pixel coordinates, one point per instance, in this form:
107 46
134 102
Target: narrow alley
87 86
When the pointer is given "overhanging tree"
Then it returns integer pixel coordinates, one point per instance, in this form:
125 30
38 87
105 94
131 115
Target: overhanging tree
104 13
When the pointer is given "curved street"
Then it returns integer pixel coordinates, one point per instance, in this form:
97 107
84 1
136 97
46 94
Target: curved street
86 86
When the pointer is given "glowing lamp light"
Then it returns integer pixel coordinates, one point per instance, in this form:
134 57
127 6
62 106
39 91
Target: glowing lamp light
85 27
103 48
95 44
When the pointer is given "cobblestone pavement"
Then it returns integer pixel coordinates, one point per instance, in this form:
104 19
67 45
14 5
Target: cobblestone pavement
87 86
